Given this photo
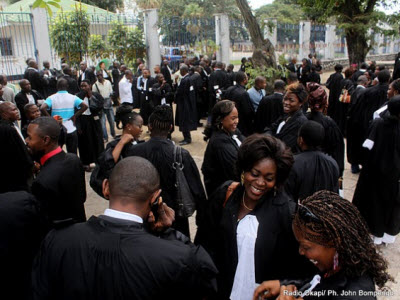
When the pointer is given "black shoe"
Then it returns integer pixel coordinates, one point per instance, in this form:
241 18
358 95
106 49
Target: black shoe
184 142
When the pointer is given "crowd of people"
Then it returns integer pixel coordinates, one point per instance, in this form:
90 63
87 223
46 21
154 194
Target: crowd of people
270 214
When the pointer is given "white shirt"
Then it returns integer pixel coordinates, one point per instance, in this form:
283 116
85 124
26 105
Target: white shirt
125 90
104 89
31 100
86 112
19 132
122 215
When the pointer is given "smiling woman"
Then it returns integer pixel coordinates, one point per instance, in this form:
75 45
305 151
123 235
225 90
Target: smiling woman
248 229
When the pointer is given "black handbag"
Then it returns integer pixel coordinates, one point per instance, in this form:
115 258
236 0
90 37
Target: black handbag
186 204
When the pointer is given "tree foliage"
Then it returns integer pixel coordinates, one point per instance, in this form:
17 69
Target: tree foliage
125 42
69 34
98 47
46 5
282 10
110 5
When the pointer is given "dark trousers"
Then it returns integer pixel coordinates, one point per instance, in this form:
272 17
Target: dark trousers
72 142
187 136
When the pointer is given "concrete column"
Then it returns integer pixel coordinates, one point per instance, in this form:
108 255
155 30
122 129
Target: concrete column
330 37
304 39
272 35
152 40
346 51
222 37
41 33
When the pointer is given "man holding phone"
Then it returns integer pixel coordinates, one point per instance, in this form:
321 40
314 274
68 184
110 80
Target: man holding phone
126 253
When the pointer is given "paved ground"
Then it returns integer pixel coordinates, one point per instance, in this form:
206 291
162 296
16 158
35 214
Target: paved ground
96 205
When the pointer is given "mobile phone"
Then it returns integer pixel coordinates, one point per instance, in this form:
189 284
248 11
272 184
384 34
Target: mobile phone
154 208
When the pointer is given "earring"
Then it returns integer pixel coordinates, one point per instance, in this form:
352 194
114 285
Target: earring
242 178
335 261
275 190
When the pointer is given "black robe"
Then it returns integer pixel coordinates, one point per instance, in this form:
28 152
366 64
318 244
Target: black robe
60 188
186 106
290 130
37 81
342 108
90 132
377 192
159 151
239 95
355 133
276 253
16 163
333 144
21 99
218 80
312 171
144 97
21 232
159 93
73 87
269 110
167 74
334 85
108 258
396 68
219 160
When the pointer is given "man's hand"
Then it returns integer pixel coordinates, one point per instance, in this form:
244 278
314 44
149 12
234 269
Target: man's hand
166 216
267 289
73 119
286 291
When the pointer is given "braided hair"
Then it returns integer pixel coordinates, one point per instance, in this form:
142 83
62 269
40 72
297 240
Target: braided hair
161 119
220 110
396 85
125 115
341 226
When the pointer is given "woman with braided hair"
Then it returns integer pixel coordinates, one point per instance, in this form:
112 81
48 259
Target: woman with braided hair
333 144
333 235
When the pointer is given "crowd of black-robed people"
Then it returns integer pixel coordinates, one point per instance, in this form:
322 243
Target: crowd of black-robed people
273 226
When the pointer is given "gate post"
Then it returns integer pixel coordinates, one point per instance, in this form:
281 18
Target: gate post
222 38
41 35
152 41
304 38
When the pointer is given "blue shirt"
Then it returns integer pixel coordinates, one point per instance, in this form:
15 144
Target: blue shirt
63 104
255 96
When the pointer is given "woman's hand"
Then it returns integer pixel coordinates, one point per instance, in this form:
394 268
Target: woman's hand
287 293
267 289
126 138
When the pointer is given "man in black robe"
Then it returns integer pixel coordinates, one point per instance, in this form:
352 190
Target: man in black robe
396 68
88 125
358 73
354 130
312 170
160 151
239 95
270 107
166 71
186 109
86 74
50 74
334 85
217 83
60 185
73 87
197 83
25 96
21 232
144 86
126 253
32 74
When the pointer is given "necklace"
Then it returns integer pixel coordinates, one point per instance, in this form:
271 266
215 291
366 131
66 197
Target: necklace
244 204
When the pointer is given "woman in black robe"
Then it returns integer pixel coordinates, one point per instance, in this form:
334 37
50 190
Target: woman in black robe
377 191
224 142
333 144
287 127
248 224
333 235
333 84
342 107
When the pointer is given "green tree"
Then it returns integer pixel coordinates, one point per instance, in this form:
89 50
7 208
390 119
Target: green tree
98 47
126 43
69 35
110 5
282 10
355 17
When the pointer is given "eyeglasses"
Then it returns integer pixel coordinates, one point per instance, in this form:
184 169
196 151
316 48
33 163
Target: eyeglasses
306 214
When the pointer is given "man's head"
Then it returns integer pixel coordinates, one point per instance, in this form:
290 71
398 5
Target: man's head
260 83
128 75
32 64
157 69
83 66
279 86
141 67
46 64
241 78
146 73
364 66
311 135
99 75
63 66
165 62
219 65
25 86
115 64
198 69
62 84
86 86
292 78
184 69
230 68
3 80
362 80
134 185
9 112
160 78
67 70
384 76
123 68
31 111
1 90
42 138
338 68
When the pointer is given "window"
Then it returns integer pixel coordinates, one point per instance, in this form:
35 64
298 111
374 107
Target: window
6 47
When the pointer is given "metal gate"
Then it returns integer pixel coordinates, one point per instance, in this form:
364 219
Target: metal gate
17 43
